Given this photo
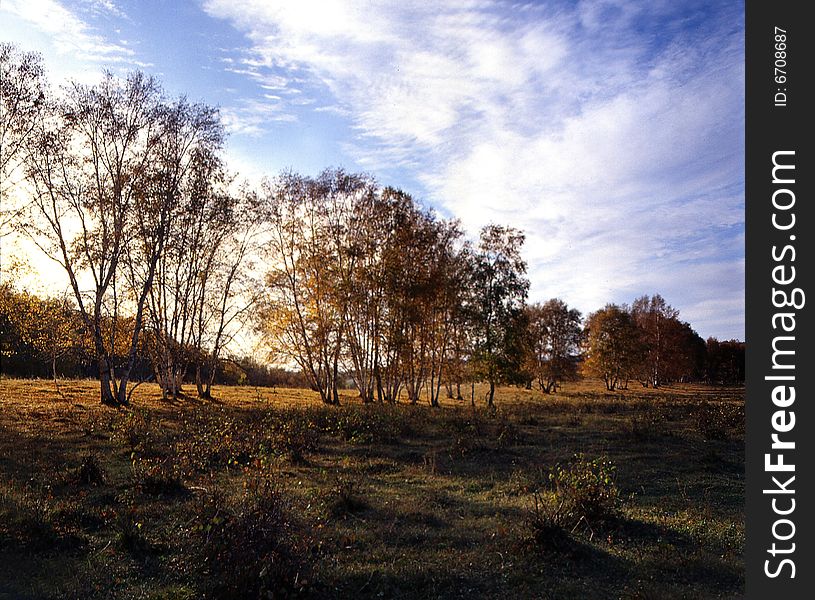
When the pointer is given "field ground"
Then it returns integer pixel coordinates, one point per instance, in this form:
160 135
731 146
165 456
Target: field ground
266 490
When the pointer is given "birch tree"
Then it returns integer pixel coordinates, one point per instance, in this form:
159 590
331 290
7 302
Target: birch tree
500 288
23 104
88 165
554 343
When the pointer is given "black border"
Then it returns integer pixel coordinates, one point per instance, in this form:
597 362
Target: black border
771 128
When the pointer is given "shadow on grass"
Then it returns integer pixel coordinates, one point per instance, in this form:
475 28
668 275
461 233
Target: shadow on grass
670 555
496 577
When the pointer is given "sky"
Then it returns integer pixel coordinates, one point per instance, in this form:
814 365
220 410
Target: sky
610 132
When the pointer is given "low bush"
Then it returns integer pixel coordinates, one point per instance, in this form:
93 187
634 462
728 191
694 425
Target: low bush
527 481
545 525
720 420
130 534
367 424
293 433
462 445
157 477
89 472
214 439
507 433
575 419
585 491
646 423
345 497
27 516
137 429
252 549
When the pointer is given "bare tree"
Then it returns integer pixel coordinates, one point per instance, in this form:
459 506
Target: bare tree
23 100
175 228
88 164
225 291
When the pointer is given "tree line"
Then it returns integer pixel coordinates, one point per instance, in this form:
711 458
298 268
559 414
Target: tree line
167 259
44 337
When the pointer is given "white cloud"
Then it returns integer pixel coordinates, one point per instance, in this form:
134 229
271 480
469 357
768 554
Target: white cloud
254 117
109 7
68 33
617 148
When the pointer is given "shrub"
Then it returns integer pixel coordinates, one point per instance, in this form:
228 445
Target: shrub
213 438
27 515
430 460
462 445
575 419
130 532
89 472
345 497
545 523
252 550
526 481
367 424
293 433
157 477
506 432
718 421
585 491
646 423
528 419
136 428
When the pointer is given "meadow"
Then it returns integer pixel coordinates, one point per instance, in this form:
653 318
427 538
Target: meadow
267 493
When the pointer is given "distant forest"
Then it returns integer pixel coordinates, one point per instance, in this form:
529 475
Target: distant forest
349 284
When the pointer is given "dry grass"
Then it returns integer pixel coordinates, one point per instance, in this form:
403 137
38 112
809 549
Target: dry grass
394 501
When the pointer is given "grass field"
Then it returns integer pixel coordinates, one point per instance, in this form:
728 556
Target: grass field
266 493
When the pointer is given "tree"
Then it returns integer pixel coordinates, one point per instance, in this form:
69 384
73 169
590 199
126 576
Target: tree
724 361
35 332
686 359
500 286
89 166
429 293
673 350
393 282
177 227
225 292
361 281
298 314
555 335
23 102
612 345
59 332
354 243
656 320
448 271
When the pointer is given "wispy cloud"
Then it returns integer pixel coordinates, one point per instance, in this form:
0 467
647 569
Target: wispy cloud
610 131
254 117
107 7
69 33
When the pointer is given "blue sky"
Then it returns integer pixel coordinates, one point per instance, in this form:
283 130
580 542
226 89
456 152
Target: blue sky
610 132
